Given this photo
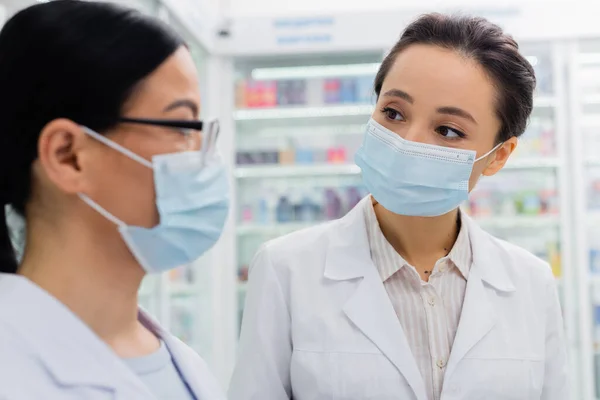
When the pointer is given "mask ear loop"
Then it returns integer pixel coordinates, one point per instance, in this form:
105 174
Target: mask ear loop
489 152
126 152
101 210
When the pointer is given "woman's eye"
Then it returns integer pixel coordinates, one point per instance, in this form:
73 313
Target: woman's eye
392 114
449 132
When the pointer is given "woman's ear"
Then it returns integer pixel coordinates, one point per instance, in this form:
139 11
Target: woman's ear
499 158
59 147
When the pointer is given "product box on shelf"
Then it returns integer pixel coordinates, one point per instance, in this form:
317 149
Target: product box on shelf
306 205
533 193
310 92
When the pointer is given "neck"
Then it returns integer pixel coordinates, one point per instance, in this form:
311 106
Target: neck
93 274
421 241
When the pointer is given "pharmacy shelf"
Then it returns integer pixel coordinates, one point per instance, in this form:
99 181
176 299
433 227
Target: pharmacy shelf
341 110
315 71
532 163
533 221
520 221
272 229
285 171
299 170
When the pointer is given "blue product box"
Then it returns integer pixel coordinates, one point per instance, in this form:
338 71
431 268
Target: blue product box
348 90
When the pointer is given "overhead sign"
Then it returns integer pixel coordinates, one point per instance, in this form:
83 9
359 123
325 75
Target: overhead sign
379 30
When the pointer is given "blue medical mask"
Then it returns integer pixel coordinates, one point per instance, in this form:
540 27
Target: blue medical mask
415 179
192 198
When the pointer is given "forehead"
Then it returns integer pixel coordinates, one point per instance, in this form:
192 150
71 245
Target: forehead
439 77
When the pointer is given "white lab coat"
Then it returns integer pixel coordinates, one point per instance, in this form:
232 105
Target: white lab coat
318 324
47 353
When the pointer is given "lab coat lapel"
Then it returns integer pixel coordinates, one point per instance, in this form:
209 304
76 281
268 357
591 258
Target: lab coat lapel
476 320
192 368
487 277
369 307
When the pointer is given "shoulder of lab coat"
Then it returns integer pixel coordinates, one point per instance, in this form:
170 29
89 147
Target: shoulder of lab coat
301 260
48 353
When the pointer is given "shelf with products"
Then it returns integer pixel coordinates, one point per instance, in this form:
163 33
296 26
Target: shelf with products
538 221
298 122
298 201
282 171
183 275
293 170
280 206
278 149
353 87
532 193
330 110
304 112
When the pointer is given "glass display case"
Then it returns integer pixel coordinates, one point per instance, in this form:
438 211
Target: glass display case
298 123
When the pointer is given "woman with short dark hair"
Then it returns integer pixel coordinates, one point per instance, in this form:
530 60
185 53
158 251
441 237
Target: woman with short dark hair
406 297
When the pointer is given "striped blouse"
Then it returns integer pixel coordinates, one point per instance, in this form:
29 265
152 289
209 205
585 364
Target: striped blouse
429 312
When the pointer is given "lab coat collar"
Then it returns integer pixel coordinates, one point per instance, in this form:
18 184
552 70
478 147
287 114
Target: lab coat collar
490 259
349 256
369 308
192 368
67 342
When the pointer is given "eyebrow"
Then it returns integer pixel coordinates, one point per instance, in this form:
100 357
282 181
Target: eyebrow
399 93
458 112
183 103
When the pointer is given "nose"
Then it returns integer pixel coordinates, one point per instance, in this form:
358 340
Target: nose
417 134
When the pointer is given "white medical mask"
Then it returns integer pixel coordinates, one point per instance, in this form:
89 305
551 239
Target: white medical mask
192 198
415 179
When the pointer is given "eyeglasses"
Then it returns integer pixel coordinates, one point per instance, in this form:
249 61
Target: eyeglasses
192 131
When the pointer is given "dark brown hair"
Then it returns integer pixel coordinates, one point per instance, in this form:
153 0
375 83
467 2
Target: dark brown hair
486 43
